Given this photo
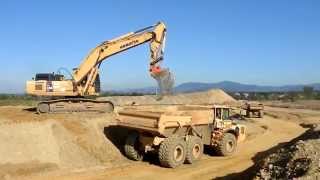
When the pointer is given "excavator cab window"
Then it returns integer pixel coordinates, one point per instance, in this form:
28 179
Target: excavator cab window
49 77
58 77
44 77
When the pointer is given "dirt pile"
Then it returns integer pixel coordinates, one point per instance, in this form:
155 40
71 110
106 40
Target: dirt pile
29 142
214 96
55 144
299 159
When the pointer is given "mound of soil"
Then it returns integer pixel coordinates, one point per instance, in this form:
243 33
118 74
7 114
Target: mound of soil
214 96
56 144
299 159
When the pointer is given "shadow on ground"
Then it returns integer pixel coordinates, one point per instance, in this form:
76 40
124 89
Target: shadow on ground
30 109
117 135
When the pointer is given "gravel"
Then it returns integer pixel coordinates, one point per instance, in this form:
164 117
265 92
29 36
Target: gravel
299 159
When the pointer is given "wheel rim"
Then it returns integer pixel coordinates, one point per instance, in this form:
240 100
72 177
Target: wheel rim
196 151
230 146
178 153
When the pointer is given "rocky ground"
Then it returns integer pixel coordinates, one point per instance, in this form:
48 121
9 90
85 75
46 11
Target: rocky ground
298 159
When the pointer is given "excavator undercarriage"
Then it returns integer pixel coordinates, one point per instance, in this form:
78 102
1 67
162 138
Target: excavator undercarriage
74 105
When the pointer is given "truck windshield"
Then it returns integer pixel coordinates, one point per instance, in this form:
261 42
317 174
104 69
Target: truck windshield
226 114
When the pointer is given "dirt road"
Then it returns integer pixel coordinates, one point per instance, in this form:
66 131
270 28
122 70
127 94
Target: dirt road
263 135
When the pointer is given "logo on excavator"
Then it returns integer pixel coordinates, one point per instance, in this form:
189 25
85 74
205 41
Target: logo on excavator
134 42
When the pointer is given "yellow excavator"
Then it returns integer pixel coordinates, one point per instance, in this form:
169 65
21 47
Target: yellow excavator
71 94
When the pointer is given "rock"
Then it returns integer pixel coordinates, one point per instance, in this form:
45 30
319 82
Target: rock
270 166
295 160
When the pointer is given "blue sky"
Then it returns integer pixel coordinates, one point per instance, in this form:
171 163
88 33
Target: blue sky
257 42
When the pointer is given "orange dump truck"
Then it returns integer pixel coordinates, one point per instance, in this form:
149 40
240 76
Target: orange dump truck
253 109
179 136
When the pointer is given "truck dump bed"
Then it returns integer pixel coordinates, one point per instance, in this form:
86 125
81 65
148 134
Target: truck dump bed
153 122
158 122
253 106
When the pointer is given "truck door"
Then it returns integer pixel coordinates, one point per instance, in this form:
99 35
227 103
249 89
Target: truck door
218 114
218 118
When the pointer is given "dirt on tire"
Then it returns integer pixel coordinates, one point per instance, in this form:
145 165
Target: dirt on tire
172 152
227 140
194 149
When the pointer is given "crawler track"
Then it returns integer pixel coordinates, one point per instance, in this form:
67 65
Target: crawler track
74 105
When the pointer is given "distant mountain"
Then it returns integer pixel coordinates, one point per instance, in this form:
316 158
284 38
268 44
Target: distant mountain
146 90
228 86
238 87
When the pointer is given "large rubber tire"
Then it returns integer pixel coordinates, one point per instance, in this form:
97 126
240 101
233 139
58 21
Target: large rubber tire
131 147
194 149
228 145
172 152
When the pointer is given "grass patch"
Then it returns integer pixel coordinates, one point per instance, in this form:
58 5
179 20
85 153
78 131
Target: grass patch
15 100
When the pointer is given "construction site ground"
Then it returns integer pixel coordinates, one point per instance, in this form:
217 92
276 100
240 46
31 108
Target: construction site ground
88 146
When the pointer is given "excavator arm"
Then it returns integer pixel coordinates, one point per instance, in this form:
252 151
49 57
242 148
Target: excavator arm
85 75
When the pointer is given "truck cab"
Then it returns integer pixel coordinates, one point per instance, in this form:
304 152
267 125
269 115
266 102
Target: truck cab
221 116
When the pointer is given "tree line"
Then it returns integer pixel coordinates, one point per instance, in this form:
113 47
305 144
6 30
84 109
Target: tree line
308 93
